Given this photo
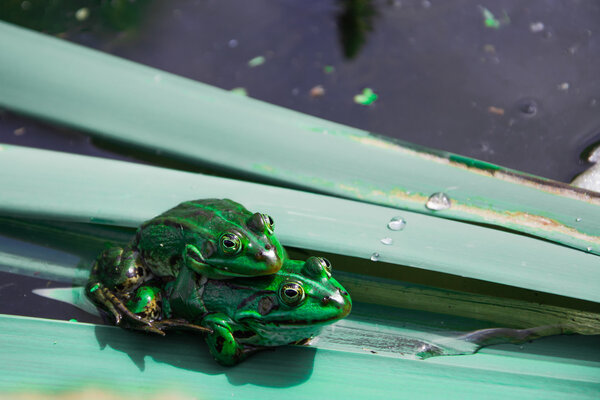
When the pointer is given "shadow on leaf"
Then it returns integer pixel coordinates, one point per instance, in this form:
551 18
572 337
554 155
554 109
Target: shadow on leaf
280 367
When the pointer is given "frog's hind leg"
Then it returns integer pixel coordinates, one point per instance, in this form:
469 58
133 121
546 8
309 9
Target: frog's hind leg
147 304
114 278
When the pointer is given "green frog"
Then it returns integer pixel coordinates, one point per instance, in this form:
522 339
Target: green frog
212 238
244 315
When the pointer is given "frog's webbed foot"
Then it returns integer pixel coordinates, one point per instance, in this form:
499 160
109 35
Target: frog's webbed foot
123 317
222 343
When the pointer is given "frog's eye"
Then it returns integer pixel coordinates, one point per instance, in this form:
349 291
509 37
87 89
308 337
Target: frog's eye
269 223
260 223
291 293
315 266
326 265
230 243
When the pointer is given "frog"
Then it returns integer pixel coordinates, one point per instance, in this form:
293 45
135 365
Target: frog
242 316
245 315
213 238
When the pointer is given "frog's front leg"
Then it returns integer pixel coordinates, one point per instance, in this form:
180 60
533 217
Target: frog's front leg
114 278
222 343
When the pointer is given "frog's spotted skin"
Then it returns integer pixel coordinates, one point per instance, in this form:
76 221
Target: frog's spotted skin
247 314
217 239
146 303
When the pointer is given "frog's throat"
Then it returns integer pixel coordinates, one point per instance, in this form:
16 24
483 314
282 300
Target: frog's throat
251 318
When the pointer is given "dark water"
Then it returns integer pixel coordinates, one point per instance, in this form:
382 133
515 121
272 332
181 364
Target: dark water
523 92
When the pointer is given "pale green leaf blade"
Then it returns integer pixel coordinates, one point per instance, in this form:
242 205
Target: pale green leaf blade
120 193
120 100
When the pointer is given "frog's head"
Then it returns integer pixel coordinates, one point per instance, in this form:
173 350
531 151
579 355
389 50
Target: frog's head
295 304
240 244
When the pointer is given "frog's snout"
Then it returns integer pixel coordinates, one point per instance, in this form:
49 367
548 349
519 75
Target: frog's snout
341 300
270 258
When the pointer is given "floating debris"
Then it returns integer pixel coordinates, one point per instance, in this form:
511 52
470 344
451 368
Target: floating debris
256 61
367 97
563 86
496 110
396 224
577 219
82 14
19 131
233 43
240 91
590 178
329 69
317 91
438 201
536 27
375 257
490 21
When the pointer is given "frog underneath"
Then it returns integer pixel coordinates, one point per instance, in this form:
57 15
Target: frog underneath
245 315
217 239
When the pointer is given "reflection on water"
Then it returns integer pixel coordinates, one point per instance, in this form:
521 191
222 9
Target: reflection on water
355 21
63 16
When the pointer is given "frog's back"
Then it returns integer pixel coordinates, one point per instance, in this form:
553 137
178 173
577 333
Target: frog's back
206 211
162 239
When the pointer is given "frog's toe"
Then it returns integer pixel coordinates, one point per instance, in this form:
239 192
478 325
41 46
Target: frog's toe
182 324
153 329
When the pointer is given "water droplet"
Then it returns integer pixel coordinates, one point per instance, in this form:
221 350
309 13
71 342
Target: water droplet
375 257
233 43
387 241
578 219
396 224
438 201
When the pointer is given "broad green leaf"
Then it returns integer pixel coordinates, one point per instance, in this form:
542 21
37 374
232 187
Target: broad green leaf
118 193
119 100
46 355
